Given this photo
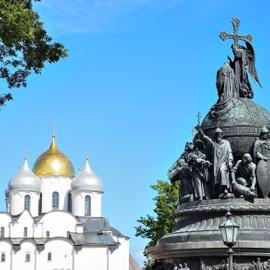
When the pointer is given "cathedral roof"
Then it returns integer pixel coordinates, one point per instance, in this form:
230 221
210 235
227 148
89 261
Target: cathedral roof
53 163
25 180
87 180
96 231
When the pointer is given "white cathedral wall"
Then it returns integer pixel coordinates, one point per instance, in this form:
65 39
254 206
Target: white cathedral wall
17 202
95 258
24 221
6 248
78 203
58 223
5 219
19 257
119 258
51 184
61 255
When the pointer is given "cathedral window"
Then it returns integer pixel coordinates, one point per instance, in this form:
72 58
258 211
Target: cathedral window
47 234
55 200
27 257
49 256
26 202
3 257
40 204
87 205
2 232
69 203
25 232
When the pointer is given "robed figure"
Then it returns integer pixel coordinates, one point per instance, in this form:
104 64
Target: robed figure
262 158
222 161
181 171
200 176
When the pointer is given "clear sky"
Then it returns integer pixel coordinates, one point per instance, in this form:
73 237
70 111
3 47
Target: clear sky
137 74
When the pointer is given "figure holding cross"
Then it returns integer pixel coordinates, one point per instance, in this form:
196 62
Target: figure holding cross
232 77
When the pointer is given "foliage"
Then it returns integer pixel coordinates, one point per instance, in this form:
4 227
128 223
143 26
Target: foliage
154 227
25 46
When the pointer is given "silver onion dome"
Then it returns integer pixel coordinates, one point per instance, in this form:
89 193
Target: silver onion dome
87 180
25 180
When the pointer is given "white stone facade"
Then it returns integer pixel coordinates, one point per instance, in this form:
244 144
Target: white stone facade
64 231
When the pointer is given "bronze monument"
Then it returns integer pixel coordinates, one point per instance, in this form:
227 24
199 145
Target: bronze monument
227 166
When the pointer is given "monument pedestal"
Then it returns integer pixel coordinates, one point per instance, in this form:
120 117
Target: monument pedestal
197 239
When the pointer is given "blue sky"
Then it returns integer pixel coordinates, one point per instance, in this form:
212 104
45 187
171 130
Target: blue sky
137 74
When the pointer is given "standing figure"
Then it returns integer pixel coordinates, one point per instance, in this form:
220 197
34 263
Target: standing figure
244 177
262 158
180 171
199 166
222 162
259 264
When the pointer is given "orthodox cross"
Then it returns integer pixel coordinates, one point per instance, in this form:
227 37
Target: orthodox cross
199 118
235 36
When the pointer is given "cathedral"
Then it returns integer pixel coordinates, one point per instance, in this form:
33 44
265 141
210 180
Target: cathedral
54 219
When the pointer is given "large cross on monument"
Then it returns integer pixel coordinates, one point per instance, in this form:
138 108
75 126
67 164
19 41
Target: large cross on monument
235 36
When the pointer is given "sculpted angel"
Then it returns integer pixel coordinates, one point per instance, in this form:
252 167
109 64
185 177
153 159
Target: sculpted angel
232 77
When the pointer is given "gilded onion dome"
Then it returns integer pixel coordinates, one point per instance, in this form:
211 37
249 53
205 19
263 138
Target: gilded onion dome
25 180
53 163
87 180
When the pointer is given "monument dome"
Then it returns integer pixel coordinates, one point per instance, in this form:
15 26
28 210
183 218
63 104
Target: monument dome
53 163
241 120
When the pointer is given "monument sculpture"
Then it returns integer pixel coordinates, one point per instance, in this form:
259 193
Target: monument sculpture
243 177
226 166
199 168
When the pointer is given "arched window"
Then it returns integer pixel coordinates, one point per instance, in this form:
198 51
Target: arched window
3 257
55 200
87 205
25 232
47 234
26 202
69 203
2 232
27 257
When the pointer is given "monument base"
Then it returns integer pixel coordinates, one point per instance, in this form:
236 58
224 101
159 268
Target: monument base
197 242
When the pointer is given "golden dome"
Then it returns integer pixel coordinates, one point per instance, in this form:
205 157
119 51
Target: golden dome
53 163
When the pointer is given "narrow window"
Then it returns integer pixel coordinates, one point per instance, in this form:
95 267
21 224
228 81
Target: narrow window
27 202
47 234
2 232
55 200
49 256
25 232
3 257
87 206
27 257
69 203
40 204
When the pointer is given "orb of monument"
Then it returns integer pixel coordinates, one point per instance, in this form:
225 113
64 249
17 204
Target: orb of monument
241 120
